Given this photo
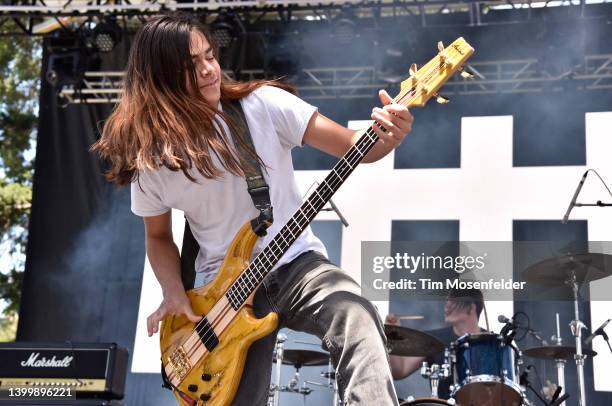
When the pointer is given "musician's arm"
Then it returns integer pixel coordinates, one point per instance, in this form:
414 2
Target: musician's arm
163 253
401 367
165 260
330 137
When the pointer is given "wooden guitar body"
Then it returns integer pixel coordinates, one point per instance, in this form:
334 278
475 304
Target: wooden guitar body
216 375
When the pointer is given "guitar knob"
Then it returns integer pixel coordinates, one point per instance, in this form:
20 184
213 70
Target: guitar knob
205 396
192 388
206 377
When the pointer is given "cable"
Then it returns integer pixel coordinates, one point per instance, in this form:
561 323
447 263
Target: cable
601 179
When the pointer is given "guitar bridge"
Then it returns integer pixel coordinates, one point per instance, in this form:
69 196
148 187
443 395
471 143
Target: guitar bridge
179 362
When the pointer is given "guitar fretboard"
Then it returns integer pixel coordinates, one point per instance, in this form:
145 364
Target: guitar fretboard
261 265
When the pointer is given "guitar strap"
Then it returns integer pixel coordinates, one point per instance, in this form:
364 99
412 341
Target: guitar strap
256 186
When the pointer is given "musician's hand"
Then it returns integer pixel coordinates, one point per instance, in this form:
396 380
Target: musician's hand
394 117
174 303
392 319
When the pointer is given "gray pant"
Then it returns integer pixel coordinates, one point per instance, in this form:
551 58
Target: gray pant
312 295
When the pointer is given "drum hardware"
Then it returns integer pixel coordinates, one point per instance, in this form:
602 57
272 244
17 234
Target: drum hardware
278 356
559 354
330 375
294 387
435 372
297 359
307 343
304 358
557 398
332 383
555 352
412 401
485 371
294 384
571 270
409 342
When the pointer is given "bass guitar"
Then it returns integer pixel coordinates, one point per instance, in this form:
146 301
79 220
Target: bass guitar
203 362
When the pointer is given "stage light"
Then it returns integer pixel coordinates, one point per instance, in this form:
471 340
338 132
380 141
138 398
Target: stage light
344 30
223 33
226 29
106 35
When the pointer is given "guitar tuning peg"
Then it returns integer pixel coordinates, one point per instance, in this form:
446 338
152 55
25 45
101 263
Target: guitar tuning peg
413 69
441 99
466 74
442 54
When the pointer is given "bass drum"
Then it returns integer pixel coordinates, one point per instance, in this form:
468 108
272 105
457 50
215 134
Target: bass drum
426 402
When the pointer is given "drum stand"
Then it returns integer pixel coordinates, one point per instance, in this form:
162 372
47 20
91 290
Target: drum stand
330 375
576 326
435 372
560 362
332 383
280 340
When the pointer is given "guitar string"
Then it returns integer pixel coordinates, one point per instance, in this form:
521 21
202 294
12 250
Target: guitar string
373 138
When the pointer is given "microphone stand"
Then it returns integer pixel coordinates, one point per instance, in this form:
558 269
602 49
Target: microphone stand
599 203
606 338
573 202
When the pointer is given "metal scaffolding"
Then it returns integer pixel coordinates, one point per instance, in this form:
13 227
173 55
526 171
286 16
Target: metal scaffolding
37 17
594 72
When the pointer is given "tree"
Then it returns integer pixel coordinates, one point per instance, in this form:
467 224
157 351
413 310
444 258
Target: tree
20 62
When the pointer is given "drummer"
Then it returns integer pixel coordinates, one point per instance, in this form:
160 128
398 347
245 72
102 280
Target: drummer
461 312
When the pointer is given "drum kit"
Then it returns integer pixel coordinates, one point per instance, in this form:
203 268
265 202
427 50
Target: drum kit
484 368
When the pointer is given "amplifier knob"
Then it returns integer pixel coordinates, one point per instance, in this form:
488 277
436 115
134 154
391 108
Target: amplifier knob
205 396
192 388
206 377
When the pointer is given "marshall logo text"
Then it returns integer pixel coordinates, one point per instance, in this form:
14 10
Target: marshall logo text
34 362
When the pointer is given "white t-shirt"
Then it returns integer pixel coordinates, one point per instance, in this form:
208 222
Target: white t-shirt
217 208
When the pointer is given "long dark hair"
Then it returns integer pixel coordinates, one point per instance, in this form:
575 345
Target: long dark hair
159 121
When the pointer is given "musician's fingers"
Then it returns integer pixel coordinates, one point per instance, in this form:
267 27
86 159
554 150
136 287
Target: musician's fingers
384 97
154 319
392 319
150 325
384 137
382 118
191 315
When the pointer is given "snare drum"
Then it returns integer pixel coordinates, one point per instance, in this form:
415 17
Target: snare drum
427 402
485 371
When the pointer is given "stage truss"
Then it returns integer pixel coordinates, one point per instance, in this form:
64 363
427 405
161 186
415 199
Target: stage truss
490 77
35 17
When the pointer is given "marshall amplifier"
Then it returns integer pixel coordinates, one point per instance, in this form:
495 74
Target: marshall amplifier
90 370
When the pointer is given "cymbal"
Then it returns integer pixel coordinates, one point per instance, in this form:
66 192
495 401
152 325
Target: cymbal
556 271
556 352
410 342
305 358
